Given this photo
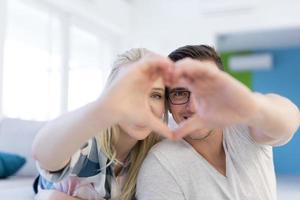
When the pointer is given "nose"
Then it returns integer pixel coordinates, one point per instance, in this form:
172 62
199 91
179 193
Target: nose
191 106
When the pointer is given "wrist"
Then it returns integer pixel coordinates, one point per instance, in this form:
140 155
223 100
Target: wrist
105 107
256 116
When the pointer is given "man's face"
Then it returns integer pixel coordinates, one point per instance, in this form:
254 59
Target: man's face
181 101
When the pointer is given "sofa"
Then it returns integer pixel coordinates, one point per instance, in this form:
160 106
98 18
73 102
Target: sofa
16 137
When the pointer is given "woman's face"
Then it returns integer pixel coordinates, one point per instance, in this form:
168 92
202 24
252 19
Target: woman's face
156 99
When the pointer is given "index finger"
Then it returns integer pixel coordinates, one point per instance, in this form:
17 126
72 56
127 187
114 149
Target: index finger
156 65
159 127
193 69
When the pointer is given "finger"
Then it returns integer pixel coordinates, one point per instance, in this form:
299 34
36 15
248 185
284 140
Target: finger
159 127
194 69
159 66
187 127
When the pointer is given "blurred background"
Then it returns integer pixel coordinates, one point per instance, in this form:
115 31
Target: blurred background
56 54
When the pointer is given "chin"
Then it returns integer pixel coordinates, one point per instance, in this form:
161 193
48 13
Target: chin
139 134
196 137
199 135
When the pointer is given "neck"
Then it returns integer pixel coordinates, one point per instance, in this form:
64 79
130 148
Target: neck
209 147
123 145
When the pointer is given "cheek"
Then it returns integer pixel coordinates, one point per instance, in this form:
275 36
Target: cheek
125 127
137 134
157 108
176 110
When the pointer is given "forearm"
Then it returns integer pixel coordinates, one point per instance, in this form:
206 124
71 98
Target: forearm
277 118
54 195
61 138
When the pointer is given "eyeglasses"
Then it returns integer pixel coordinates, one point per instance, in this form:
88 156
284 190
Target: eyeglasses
179 96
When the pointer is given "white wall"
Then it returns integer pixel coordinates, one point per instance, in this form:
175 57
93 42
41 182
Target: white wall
113 15
163 25
2 36
109 19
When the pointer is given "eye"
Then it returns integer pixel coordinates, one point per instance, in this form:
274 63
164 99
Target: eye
156 96
179 93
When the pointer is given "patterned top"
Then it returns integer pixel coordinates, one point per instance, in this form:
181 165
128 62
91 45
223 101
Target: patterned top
89 175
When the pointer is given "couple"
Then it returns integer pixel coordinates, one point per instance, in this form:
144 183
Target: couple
102 150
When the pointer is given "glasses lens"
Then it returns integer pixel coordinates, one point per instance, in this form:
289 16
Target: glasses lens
179 96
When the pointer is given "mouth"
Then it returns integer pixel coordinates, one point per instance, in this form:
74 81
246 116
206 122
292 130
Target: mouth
186 117
140 126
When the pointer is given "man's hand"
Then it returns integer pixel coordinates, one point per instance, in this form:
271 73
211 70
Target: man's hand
222 100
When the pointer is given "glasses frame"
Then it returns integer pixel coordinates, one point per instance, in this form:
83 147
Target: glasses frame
188 98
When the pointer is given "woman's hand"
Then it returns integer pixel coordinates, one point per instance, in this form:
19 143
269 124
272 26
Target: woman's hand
127 96
125 100
53 195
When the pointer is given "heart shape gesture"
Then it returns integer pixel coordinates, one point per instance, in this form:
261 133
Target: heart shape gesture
221 100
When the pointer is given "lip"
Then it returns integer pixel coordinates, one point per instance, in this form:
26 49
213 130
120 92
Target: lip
186 117
140 126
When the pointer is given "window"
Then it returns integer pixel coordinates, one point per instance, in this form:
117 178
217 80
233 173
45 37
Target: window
34 83
31 63
89 65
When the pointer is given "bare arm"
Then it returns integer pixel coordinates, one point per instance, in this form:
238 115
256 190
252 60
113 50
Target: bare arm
53 195
61 138
224 101
276 121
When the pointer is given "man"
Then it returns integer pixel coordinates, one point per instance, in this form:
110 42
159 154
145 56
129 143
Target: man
229 133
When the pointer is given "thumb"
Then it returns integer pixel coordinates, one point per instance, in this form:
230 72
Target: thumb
187 127
159 66
159 127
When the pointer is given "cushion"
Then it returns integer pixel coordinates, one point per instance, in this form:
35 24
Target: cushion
16 136
10 164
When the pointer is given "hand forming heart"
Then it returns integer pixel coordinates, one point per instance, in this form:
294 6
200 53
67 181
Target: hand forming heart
221 100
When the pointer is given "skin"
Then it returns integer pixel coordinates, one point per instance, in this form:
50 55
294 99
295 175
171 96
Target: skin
217 101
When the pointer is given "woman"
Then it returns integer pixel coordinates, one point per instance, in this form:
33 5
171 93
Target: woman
95 152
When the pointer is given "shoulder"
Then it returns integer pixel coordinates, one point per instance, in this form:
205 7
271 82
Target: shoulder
238 138
157 177
171 155
238 133
169 149
167 145
164 159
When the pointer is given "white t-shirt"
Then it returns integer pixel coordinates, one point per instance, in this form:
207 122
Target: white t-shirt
174 170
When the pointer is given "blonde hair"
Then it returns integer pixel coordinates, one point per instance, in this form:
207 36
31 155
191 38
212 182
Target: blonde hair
108 137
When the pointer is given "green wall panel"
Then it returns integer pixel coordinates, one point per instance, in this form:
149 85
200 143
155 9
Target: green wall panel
244 77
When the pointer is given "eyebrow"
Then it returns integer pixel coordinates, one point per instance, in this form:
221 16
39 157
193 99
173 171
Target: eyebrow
159 89
179 89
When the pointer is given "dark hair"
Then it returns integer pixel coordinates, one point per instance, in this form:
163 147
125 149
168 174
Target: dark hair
199 52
